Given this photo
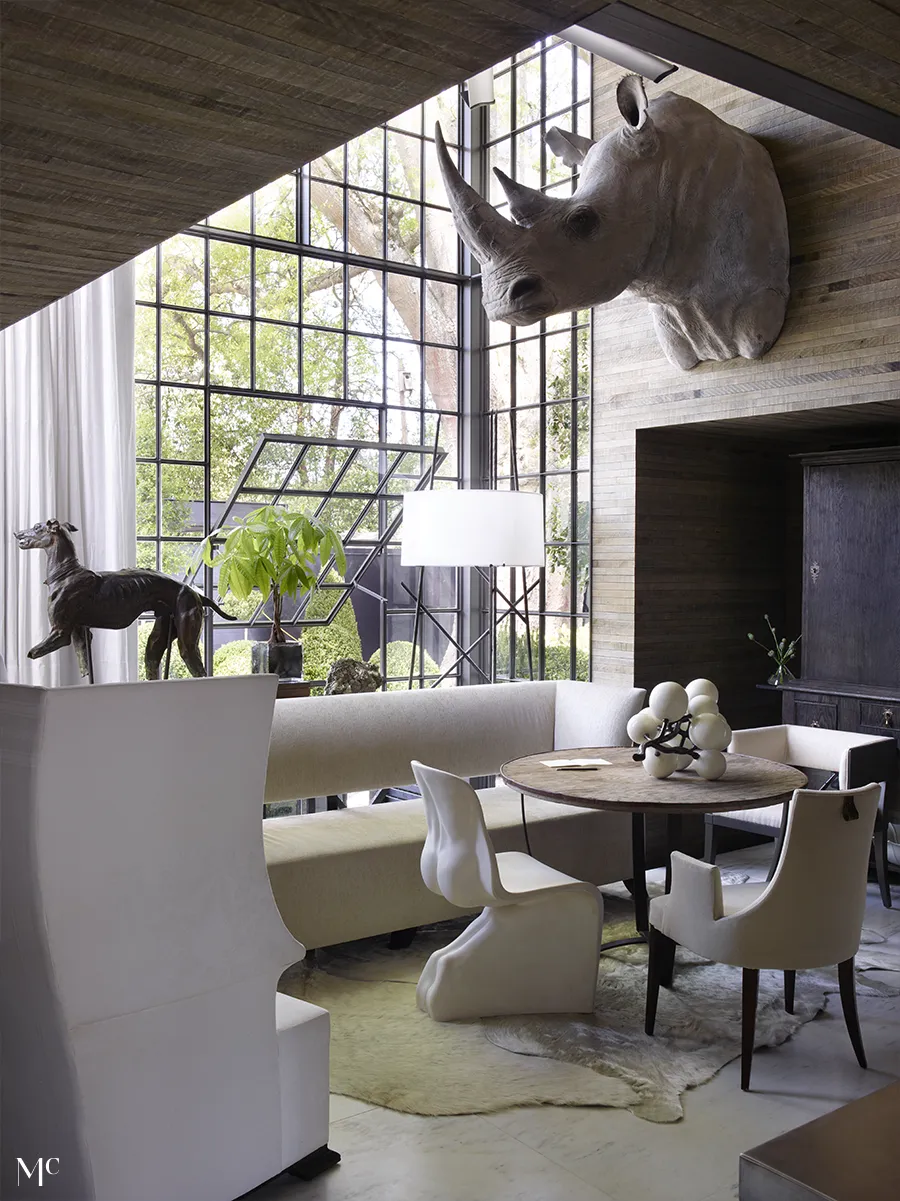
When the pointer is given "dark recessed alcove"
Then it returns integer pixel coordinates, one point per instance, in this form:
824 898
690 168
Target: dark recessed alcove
719 543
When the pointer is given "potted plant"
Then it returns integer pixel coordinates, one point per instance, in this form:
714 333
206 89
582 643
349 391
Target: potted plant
277 553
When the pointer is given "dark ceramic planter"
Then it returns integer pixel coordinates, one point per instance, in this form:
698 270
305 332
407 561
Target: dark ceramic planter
284 659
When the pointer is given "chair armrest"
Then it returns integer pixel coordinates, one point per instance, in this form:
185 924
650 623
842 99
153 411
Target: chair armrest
766 742
696 888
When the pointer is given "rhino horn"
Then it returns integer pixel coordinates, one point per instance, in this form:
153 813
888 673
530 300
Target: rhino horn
481 227
525 204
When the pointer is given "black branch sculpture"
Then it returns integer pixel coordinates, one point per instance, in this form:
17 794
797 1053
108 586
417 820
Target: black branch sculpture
81 600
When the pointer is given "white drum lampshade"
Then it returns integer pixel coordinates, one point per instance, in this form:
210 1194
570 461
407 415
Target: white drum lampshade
473 527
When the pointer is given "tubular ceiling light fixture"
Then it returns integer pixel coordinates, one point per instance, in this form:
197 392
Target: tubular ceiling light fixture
629 57
480 88
472 527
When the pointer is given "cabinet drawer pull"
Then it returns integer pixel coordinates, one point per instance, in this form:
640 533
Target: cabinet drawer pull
815 722
888 716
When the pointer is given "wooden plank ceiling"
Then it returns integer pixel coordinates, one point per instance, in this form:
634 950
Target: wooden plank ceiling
123 122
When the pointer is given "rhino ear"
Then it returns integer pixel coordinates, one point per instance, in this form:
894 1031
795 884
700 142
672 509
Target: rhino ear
570 147
632 101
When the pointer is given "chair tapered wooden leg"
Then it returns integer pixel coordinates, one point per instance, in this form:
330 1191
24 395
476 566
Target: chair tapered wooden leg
847 981
709 840
668 947
749 997
790 980
880 842
660 962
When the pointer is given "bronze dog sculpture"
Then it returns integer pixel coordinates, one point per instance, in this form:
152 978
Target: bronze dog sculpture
81 599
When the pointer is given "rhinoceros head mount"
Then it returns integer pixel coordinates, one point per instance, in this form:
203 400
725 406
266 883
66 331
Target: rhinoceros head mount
675 206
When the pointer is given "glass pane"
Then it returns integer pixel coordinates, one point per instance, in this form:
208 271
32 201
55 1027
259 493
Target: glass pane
229 277
558 578
182 500
276 358
404 165
498 156
449 468
181 346
528 372
365 160
146 498
145 342
181 423
404 425
323 363
235 216
441 241
441 377
441 308
365 224
499 111
433 183
176 558
583 419
145 275
528 440
582 578
364 368
558 68
583 506
411 120
365 301
557 648
326 218
146 555
329 166
499 374
555 169
404 381
583 74
558 370
528 91
403 306
559 436
583 351
444 108
275 209
229 352
145 420
404 232
583 121
557 508
182 271
323 293
528 157
500 425
276 285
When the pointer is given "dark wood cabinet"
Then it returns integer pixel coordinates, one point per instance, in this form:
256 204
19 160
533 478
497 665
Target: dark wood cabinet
851 569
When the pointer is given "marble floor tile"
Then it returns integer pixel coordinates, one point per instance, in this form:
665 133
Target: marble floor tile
346 1107
388 1156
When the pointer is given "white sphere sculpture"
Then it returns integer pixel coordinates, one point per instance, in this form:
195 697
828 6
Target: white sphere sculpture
711 765
683 762
702 704
659 765
643 726
668 701
710 732
702 688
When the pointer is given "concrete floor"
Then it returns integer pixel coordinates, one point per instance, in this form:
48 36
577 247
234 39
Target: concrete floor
551 1153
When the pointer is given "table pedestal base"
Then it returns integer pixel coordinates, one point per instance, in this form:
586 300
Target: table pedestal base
637 885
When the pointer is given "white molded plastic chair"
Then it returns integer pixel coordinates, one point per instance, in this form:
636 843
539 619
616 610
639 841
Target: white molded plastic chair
855 759
144 1043
809 915
535 947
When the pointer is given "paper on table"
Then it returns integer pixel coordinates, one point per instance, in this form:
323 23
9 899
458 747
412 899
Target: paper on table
575 762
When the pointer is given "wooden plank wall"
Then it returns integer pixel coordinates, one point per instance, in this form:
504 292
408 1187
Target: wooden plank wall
840 344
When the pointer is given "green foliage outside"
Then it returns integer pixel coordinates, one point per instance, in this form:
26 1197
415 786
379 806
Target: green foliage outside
557 664
398 659
324 645
177 668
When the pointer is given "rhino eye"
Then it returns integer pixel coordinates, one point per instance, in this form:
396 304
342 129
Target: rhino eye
582 222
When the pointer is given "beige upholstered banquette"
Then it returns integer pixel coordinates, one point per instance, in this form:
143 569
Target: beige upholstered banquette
355 872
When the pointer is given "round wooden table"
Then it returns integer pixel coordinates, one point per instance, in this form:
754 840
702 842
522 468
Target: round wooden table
623 785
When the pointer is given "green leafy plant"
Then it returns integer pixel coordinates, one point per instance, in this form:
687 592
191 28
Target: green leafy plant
274 552
781 651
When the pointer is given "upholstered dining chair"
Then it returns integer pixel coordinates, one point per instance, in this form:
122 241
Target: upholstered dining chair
145 1045
809 915
535 946
834 756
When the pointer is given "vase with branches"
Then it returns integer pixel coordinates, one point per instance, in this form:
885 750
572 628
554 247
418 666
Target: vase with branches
277 553
781 652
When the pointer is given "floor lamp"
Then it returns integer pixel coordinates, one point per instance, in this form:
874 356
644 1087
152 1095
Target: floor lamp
479 528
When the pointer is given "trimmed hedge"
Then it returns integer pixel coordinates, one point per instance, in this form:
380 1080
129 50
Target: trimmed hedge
398 659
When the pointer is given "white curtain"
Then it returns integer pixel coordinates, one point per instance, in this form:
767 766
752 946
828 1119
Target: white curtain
67 451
